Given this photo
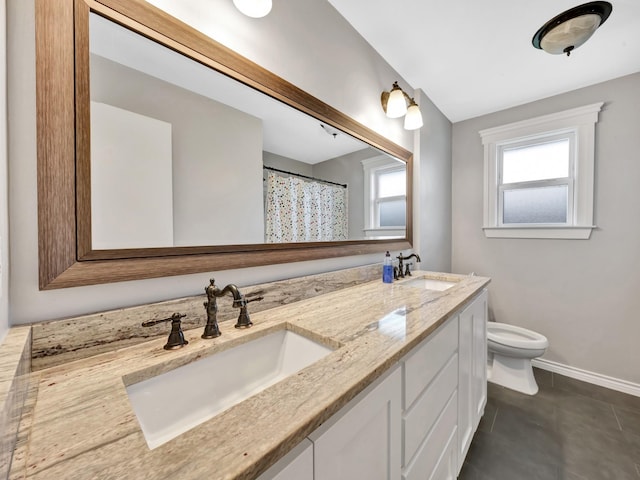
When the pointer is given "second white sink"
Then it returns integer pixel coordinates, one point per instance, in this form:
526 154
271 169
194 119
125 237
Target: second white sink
172 403
429 284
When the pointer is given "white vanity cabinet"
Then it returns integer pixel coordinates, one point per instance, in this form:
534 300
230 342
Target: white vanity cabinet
472 382
363 439
415 422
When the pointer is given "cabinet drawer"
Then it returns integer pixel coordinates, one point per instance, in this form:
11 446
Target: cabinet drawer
437 452
446 468
428 358
421 418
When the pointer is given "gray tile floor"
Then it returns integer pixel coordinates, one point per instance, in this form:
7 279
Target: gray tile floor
570 430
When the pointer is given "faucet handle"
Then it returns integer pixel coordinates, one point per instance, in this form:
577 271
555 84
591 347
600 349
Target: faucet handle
150 323
242 302
407 272
243 319
176 336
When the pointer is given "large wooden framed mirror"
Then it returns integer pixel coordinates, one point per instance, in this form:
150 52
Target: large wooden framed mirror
162 152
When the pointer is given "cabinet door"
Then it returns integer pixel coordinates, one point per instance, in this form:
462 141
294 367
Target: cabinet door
472 380
363 439
296 465
465 364
479 373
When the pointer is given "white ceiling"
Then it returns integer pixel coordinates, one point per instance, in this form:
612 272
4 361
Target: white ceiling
475 57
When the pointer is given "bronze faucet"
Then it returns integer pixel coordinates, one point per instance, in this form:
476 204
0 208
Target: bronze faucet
211 329
176 337
401 270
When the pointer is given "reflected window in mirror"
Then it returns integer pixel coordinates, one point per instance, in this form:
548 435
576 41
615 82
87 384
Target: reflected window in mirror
385 197
390 199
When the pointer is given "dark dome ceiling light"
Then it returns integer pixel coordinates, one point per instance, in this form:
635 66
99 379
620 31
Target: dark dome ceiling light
567 31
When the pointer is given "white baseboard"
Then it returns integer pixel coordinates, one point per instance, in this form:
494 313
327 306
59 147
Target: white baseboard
589 377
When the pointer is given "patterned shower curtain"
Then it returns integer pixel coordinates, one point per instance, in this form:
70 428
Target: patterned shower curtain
303 211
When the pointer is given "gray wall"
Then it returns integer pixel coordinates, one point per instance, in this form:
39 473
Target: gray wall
287 164
581 294
340 69
4 196
432 188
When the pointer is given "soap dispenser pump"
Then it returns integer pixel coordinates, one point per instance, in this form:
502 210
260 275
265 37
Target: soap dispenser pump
387 269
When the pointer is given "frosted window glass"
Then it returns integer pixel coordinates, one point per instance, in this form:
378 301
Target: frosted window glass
535 205
392 184
536 162
392 213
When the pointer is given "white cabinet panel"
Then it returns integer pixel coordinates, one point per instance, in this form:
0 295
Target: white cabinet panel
479 373
362 440
446 468
472 382
439 444
427 359
418 421
465 405
296 465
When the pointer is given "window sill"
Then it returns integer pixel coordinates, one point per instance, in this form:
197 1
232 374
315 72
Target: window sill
384 232
563 232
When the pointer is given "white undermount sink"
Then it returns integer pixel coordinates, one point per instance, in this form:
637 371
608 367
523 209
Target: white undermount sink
176 401
429 284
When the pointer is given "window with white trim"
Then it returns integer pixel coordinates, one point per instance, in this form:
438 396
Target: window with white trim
539 176
385 192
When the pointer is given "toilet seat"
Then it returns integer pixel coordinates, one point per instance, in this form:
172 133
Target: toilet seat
517 337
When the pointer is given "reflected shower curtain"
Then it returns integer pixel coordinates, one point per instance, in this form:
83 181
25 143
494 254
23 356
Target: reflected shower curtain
300 211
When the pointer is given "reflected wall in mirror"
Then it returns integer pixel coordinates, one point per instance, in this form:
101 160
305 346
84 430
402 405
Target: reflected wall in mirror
124 141
178 152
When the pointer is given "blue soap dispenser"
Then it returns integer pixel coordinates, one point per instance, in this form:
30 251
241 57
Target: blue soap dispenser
387 269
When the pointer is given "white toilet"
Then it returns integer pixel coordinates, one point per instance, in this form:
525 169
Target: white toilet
511 349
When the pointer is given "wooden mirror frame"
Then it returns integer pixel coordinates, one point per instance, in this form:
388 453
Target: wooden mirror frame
66 258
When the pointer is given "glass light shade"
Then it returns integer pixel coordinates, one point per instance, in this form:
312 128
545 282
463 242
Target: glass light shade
396 104
413 120
571 33
253 8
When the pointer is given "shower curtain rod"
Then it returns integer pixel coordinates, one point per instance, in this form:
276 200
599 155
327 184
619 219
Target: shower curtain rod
304 176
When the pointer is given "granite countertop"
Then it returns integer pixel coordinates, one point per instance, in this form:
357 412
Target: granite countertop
82 424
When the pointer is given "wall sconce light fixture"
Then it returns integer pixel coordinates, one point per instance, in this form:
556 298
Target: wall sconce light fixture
397 103
567 31
253 8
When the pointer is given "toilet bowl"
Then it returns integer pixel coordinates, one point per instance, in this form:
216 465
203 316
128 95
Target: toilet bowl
511 350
